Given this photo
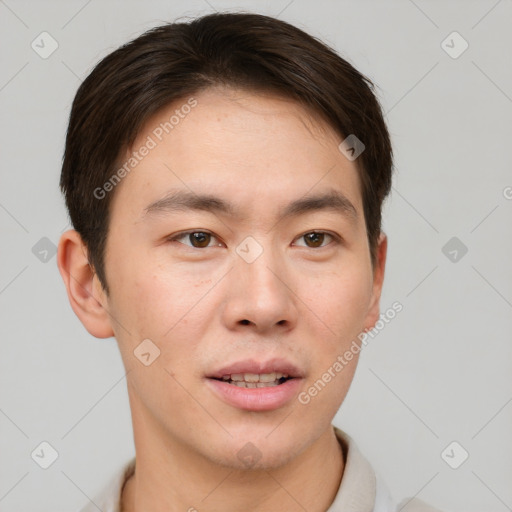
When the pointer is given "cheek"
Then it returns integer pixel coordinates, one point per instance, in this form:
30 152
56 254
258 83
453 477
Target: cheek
172 308
155 307
340 300
160 303
145 291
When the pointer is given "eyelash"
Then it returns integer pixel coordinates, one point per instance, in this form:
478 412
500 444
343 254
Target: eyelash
182 234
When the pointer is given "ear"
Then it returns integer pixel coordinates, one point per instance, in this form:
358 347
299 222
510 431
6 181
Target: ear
85 293
373 314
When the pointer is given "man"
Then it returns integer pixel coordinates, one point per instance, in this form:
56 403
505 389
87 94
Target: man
225 179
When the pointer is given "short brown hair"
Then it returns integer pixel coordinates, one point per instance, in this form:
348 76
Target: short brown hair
176 60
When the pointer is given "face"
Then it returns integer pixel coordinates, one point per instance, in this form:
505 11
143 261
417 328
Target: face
237 246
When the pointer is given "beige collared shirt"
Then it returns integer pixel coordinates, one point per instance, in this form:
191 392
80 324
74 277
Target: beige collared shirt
361 490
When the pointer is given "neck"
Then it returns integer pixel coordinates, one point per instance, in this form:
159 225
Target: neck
175 478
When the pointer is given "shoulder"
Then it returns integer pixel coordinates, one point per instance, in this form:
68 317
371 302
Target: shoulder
415 505
110 496
362 488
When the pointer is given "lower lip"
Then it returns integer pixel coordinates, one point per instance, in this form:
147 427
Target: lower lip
256 399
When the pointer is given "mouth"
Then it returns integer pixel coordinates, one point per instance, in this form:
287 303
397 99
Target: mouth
256 386
255 380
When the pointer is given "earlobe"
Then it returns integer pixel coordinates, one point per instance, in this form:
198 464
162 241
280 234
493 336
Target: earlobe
378 280
84 292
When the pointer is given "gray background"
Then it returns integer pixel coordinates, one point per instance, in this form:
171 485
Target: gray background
439 372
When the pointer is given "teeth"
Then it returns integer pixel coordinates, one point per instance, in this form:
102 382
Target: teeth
254 380
254 384
255 377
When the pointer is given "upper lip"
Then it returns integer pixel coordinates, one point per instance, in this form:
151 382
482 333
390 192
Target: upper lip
258 367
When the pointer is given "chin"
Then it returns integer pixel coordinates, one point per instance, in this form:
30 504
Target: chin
253 451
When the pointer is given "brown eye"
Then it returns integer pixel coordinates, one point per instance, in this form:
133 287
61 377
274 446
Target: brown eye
199 239
194 239
314 239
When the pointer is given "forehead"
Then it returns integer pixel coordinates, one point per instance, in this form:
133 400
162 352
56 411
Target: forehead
251 147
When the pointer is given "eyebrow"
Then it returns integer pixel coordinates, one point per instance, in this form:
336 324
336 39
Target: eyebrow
183 200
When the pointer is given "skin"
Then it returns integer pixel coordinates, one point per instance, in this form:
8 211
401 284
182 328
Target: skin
207 307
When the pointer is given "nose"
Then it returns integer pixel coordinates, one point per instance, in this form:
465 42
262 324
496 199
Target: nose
260 296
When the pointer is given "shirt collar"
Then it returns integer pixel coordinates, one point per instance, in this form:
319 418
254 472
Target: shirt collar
358 484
